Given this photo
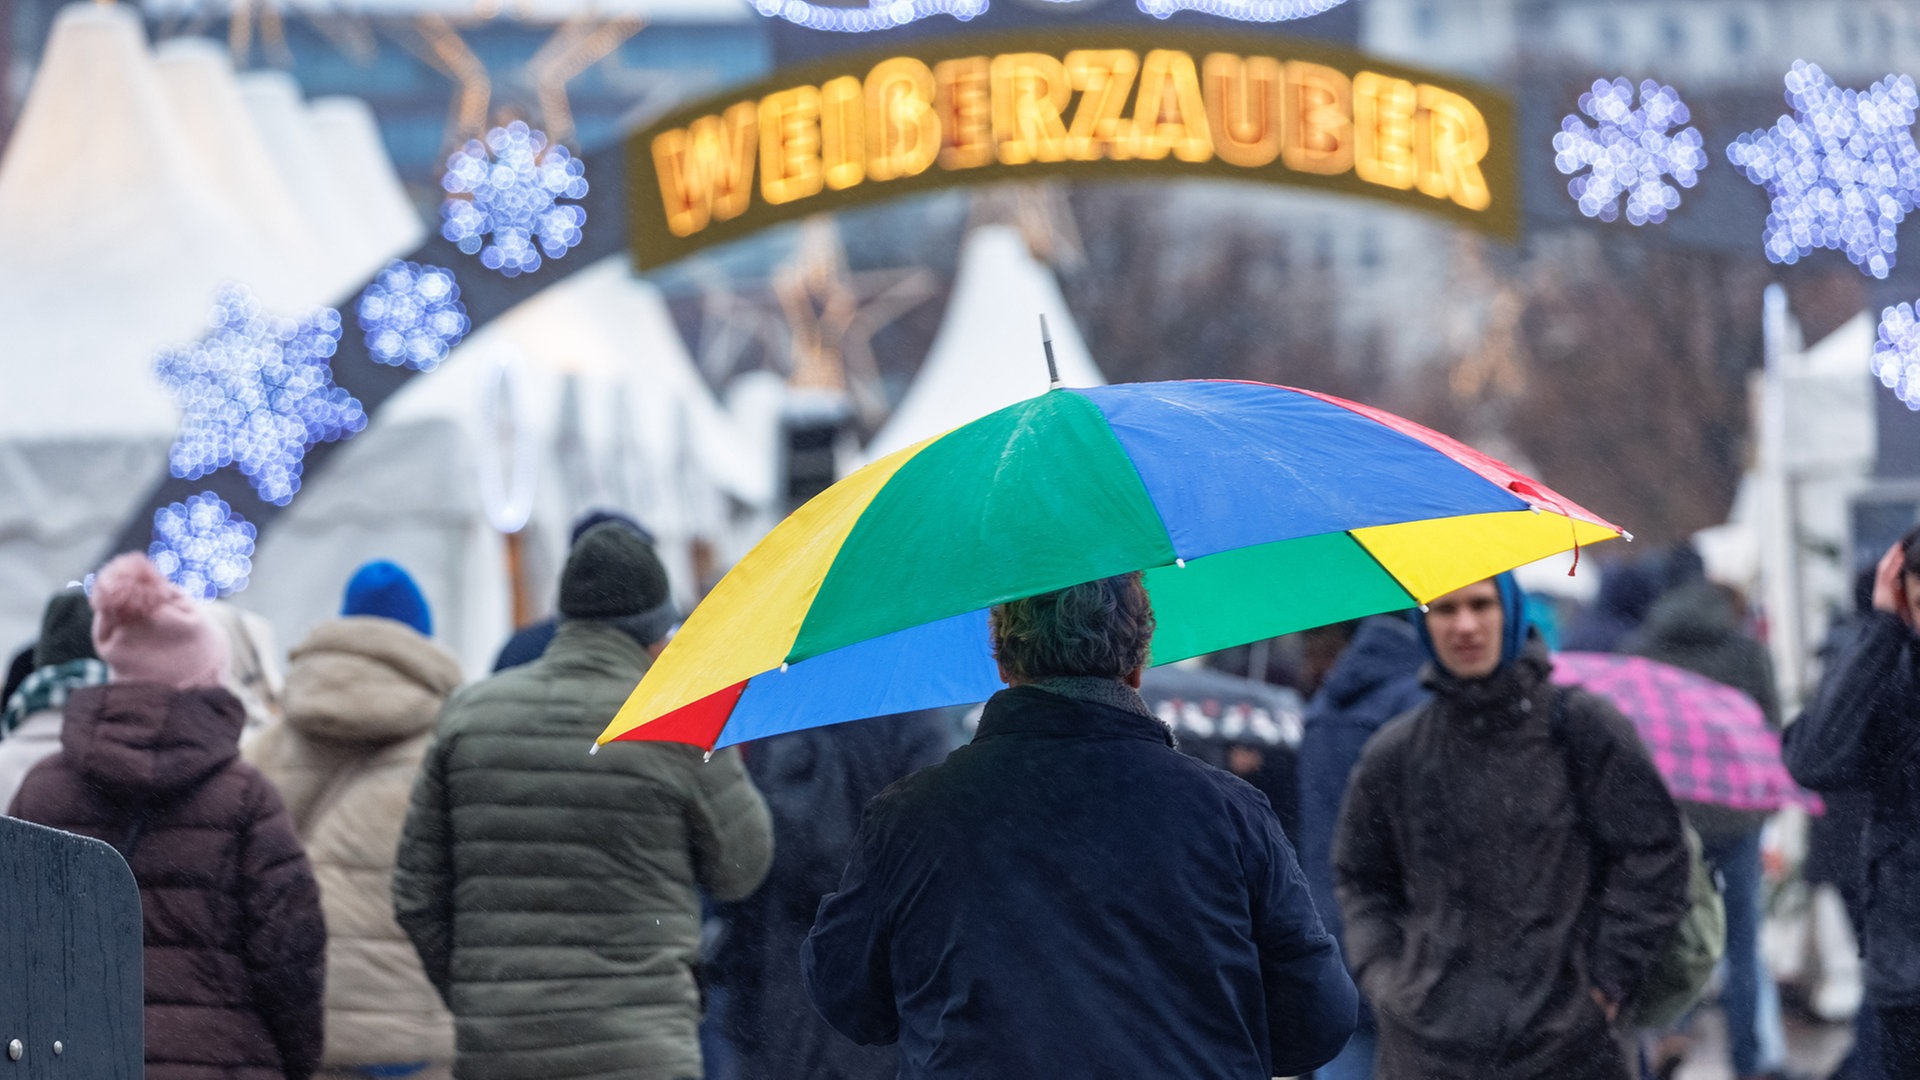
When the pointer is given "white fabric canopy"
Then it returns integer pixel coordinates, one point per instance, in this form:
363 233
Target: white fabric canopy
987 354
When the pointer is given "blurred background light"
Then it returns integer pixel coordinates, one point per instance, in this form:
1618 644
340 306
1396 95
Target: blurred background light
1842 171
1629 151
202 546
255 393
412 315
503 199
1896 355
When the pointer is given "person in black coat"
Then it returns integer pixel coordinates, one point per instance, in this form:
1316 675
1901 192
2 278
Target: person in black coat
1070 896
1862 734
1375 679
1508 862
816 783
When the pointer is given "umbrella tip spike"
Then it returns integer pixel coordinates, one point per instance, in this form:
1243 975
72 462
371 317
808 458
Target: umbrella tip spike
592 750
783 667
1181 563
1627 536
1423 609
706 757
1046 344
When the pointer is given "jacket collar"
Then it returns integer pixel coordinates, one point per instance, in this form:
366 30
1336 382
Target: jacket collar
1500 701
595 645
1029 710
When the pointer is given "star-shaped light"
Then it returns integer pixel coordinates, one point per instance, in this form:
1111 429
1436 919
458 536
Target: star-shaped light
1842 171
412 315
257 392
1896 356
1629 151
503 199
202 546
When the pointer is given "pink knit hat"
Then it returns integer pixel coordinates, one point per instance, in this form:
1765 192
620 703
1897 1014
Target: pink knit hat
147 630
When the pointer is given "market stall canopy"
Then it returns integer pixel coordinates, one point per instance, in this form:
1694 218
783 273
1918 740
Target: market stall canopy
987 353
349 139
117 240
219 133
273 100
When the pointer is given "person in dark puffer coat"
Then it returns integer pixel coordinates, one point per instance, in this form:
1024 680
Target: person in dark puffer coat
234 942
1375 678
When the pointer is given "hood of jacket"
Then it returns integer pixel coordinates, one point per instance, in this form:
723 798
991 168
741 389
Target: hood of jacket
141 740
1385 649
365 679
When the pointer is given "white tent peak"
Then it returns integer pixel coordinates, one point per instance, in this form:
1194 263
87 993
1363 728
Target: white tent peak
987 354
387 222
205 99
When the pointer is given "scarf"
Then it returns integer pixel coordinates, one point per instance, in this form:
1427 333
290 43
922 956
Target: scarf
48 687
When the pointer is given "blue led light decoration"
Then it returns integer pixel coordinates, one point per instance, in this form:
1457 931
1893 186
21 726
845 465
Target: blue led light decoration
202 546
503 199
412 315
1629 151
256 393
1896 356
888 14
1842 171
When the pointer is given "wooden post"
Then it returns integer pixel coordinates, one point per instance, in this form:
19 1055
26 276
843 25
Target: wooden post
523 614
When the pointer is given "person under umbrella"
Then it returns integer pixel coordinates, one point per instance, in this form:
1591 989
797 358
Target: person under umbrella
1068 895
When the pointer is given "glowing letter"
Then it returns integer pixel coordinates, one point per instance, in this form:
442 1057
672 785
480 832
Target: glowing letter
1243 108
1319 125
965 112
790 144
1029 92
1104 77
1169 114
843 141
903 131
706 169
1450 146
1383 130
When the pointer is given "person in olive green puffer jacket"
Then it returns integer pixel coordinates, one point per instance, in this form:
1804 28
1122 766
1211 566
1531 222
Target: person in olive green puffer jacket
553 896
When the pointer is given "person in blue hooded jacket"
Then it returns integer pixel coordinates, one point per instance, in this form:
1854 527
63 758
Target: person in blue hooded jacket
1069 896
1508 863
1376 678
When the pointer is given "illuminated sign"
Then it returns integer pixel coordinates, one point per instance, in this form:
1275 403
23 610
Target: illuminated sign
1118 104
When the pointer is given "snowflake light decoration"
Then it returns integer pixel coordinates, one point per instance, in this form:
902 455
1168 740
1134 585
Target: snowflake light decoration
257 392
503 199
412 315
202 546
1259 11
1629 151
1896 356
1842 171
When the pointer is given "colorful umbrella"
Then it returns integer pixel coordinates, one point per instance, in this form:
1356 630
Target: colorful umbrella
1710 741
1255 510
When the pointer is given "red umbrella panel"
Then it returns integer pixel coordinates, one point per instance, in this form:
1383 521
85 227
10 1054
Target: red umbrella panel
1710 741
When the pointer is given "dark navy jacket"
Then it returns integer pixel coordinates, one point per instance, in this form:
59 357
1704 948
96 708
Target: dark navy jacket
1375 679
1068 896
1862 734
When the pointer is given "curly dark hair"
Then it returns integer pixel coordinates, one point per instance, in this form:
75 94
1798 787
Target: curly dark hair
1099 628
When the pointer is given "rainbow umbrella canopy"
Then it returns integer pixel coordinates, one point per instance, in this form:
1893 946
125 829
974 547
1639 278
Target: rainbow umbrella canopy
1254 510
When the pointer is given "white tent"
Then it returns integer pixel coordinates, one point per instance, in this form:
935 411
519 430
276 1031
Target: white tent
987 354
205 100
606 409
273 100
116 245
349 139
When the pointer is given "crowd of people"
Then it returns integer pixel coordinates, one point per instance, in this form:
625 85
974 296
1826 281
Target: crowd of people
369 867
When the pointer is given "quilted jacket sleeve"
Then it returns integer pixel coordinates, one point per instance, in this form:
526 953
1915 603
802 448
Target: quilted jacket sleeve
730 829
423 870
284 934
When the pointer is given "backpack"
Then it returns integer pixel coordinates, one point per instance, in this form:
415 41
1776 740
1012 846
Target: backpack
1678 977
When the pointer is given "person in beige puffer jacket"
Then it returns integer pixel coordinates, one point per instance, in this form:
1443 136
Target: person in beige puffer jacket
362 693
